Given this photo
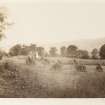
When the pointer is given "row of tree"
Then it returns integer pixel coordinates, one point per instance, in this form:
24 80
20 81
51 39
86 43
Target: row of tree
70 51
73 51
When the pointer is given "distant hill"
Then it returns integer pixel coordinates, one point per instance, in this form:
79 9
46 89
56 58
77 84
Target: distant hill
87 44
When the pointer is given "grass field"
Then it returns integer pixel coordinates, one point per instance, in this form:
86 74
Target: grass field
42 80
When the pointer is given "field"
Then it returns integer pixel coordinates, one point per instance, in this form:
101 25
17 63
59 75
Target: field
42 80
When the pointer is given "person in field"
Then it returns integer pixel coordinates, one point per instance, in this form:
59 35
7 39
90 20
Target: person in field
99 68
78 66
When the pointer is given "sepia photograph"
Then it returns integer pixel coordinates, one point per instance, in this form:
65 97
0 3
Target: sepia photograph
52 49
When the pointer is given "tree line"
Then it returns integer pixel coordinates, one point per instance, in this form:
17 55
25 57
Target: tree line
71 51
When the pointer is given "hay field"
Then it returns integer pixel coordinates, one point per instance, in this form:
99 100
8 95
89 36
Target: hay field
41 80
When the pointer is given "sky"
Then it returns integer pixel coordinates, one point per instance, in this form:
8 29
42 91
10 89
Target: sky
51 22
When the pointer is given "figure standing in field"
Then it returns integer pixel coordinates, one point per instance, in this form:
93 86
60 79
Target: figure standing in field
79 67
99 68
75 61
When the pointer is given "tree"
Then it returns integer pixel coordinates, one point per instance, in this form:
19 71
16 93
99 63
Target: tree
41 51
53 51
33 47
94 53
2 53
15 50
72 50
63 51
102 52
46 54
82 54
79 54
24 50
3 22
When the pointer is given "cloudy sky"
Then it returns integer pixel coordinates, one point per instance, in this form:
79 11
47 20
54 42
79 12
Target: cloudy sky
55 21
